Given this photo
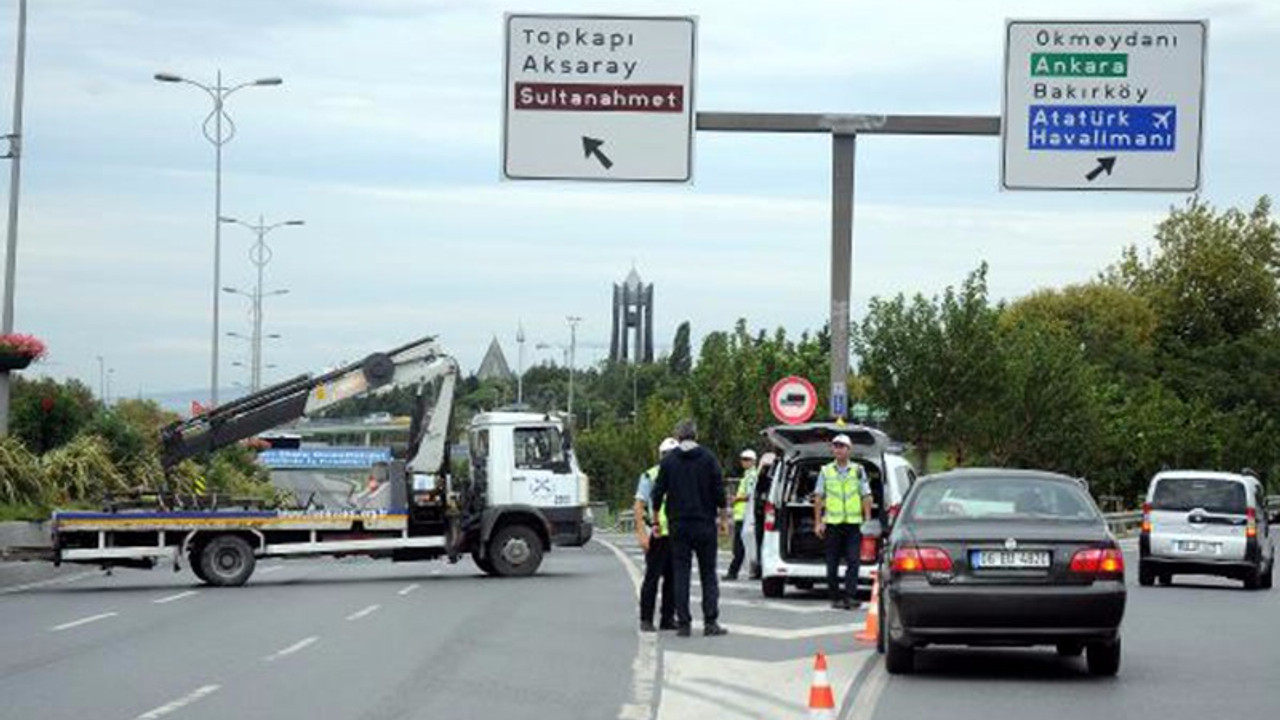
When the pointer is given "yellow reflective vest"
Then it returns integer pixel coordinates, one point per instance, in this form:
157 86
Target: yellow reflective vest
842 495
662 515
742 499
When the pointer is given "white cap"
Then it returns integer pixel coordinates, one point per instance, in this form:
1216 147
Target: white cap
667 445
748 454
842 439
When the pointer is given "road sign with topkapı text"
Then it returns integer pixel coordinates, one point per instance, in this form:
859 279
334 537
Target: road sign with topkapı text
599 98
1098 105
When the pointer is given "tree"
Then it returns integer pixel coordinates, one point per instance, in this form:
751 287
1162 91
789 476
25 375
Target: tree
46 414
681 359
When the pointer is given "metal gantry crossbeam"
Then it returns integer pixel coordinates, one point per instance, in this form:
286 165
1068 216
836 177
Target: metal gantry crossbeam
844 128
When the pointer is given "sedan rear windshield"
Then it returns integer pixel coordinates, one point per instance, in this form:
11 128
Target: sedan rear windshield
996 498
1185 494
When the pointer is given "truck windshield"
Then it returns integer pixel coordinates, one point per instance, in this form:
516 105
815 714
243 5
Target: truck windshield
539 448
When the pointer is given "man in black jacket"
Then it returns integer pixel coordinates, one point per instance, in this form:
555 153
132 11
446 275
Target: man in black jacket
691 488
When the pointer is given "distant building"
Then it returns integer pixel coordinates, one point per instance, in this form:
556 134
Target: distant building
494 365
632 338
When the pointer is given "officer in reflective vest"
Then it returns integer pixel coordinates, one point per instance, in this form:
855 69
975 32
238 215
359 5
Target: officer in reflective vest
653 536
741 504
842 501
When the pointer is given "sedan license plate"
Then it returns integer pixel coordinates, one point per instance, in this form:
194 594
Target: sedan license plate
1010 559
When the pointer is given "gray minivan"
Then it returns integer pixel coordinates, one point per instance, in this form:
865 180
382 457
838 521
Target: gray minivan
1198 522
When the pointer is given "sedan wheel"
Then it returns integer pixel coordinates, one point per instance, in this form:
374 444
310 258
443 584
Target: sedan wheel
1103 658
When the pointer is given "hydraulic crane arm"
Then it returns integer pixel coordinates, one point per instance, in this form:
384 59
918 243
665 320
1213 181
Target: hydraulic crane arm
420 363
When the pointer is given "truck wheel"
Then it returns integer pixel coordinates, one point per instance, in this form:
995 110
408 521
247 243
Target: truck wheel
482 563
515 551
773 587
227 561
193 562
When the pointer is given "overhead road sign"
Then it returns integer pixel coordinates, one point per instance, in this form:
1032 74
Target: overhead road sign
592 97
1099 105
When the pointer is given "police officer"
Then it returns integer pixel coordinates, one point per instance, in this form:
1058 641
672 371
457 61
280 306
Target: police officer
653 535
742 501
842 502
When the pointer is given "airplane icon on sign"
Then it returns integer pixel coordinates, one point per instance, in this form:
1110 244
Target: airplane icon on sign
1162 119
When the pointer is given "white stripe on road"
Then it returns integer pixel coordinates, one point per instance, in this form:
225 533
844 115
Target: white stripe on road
271 569
644 668
46 583
173 598
363 613
291 649
797 634
437 571
82 621
408 590
806 608
179 703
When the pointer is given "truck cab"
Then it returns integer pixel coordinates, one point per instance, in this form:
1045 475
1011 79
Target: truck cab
526 460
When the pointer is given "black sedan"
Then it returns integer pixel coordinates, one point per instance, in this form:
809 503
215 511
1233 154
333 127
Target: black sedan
1006 558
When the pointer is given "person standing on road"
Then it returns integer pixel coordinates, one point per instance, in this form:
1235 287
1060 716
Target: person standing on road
842 501
743 499
653 534
690 490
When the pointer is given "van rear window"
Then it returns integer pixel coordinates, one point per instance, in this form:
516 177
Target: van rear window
1185 494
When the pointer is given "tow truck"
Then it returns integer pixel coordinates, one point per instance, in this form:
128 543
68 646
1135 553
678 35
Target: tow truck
525 495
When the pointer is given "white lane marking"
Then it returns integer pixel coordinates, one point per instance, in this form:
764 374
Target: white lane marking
771 605
179 703
172 598
408 590
868 697
271 569
46 583
437 571
82 621
291 649
363 613
644 668
797 634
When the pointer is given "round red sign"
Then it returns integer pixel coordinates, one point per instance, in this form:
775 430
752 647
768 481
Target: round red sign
793 400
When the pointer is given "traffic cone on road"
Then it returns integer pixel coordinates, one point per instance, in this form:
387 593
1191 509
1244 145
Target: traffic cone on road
822 702
871 631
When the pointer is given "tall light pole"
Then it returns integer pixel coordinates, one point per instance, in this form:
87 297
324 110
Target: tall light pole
259 255
573 321
255 339
102 381
520 365
15 182
219 133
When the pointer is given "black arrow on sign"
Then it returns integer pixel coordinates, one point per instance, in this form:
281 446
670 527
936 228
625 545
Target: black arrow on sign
591 146
1104 163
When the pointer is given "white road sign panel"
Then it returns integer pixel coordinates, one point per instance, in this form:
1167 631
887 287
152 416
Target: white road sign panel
599 98
1096 105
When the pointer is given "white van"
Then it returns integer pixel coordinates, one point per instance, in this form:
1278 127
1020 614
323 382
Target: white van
791 554
1198 522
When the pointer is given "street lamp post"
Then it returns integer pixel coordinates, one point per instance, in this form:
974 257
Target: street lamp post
15 180
102 381
255 338
260 254
520 365
573 321
220 134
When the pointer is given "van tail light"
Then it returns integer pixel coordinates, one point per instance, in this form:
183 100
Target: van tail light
1251 523
770 517
894 509
908 560
1146 518
868 550
1100 563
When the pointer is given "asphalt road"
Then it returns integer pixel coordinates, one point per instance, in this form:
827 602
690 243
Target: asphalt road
1202 648
323 638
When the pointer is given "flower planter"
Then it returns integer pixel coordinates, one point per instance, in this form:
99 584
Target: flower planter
14 362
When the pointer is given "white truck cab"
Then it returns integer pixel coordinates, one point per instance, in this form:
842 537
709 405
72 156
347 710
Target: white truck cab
527 459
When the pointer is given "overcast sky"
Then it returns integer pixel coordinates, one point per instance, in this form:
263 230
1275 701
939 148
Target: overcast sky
385 139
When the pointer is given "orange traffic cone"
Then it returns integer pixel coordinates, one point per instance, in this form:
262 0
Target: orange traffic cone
871 631
822 702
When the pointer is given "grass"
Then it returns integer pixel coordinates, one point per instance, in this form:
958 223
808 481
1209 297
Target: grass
23 512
